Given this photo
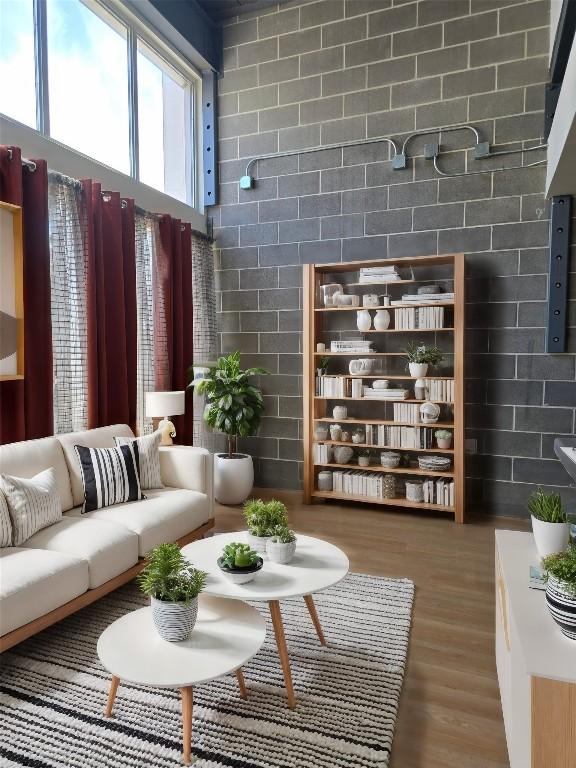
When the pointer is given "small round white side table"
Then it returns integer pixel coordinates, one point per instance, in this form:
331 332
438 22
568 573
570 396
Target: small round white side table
316 566
227 634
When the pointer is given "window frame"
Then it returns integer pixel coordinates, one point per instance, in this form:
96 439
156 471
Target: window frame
137 29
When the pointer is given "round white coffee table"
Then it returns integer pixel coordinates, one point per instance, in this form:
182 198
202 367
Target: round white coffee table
226 635
316 566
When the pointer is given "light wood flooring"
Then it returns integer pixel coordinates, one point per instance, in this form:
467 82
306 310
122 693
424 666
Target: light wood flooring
450 715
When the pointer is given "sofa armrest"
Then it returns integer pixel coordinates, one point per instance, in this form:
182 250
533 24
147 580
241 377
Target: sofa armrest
184 466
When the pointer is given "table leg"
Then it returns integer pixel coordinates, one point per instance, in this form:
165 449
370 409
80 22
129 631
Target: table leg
111 696
186 724
241 684
274 606
314 616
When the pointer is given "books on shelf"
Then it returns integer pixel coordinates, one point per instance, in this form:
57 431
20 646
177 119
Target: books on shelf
322 453
439 491
407 318
390 436
409 412
441 390
331 386
357 483
424 298
382 274
385 394
353 346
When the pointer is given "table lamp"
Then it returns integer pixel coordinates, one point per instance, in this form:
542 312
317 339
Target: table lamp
165 404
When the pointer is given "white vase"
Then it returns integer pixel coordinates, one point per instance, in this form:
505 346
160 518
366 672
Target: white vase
174 621
363 320
418 369
257 542
233 477
550 537
444 442
281 553
340 412
381 320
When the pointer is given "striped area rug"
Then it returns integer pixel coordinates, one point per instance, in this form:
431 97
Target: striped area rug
53 691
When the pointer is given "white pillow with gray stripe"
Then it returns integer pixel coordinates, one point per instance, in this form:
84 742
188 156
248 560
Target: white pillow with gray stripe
5 524
34 503
110 475
149 453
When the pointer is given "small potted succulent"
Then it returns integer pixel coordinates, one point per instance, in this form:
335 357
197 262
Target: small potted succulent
281 546
561 589
173 585
420 356
364 457
262 517
443 438
239 562
549 522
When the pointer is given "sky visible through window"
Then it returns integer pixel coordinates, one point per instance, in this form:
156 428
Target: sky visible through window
17 68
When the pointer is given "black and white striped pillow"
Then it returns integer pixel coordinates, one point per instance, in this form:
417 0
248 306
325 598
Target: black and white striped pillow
149 458
34 503
110 475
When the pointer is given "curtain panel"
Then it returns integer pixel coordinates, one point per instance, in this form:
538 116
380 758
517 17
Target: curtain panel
26 406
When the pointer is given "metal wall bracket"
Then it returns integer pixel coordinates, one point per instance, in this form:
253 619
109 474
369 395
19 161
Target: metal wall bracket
558 273
210 136
551 94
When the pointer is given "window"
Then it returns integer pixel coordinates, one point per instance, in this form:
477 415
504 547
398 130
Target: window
109 89
17 63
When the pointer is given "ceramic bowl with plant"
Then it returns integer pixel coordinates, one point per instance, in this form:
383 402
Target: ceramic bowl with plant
443 438
549 522
173 585
281 546
262 517
561 589
364 457
239 562
420 356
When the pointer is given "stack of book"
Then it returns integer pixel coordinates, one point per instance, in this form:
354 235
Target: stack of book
386 394
424 317
383 274
331 386
389 436
441 390
352 346
358 483
439 491
322 454
424 298
407 412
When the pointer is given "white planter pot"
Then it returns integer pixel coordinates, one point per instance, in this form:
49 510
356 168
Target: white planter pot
257 543
174 621
233 478
281 553
418 369
561 603
444 442
550 537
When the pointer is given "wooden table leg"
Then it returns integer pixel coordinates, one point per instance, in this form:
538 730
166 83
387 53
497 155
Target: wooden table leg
186 724
111 696
274 606
314 616
241 684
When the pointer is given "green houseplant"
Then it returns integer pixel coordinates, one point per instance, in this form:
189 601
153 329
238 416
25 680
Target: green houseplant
281 546
420 356
239 562
561 589
173 586
234 406
549 522
262 517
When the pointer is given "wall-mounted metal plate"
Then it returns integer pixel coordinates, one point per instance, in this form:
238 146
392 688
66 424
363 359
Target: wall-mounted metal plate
482 149
431 150
399 161
210 136
558 273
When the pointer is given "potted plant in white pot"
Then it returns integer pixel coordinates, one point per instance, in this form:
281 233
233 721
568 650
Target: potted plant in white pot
561 589
173 585
239 562
443 438
234 406
420 356
281 546
549 522
262 517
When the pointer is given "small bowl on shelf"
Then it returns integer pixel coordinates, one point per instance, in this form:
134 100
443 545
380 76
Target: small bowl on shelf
434 463
390 459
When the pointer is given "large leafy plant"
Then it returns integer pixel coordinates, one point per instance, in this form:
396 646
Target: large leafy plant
418 352
168 576
234 404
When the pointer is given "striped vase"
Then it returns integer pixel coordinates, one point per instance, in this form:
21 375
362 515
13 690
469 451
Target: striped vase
174 621
562 606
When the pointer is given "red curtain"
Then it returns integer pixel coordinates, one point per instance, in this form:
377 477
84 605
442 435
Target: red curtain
112 334
175 261
26 406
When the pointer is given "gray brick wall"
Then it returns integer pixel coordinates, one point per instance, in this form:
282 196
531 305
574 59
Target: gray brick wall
311 73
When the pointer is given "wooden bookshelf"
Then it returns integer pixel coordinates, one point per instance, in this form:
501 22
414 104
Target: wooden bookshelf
324 324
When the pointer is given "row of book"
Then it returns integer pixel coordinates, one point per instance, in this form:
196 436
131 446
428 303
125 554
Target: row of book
439 491
388 436
385 394
334 386
424 298
380 274
407 412
352 346
423 317
357 483
441 390
322 453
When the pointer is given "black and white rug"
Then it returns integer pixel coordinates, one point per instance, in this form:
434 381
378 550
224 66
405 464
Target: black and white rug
53 691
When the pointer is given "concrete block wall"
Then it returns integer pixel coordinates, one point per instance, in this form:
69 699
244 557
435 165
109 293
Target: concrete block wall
304 74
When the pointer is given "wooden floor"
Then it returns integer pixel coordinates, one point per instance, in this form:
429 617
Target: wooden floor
450 714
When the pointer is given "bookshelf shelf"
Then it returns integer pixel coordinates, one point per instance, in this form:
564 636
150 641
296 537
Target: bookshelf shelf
322 325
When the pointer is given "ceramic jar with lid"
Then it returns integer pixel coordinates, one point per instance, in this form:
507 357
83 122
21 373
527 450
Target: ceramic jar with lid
325 481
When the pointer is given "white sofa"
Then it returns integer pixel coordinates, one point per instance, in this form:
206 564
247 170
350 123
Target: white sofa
70 564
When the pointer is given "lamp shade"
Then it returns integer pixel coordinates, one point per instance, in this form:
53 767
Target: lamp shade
165 404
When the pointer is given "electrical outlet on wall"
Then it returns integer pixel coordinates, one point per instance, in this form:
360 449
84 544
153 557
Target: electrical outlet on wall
471 445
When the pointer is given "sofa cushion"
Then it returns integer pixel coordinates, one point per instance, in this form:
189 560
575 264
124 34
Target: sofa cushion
148 446
165 515
34 582
103 437
5 524
109 475
29 457
107 548
34 503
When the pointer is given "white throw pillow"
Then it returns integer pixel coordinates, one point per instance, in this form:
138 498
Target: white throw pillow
34 503
149 453
5 524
